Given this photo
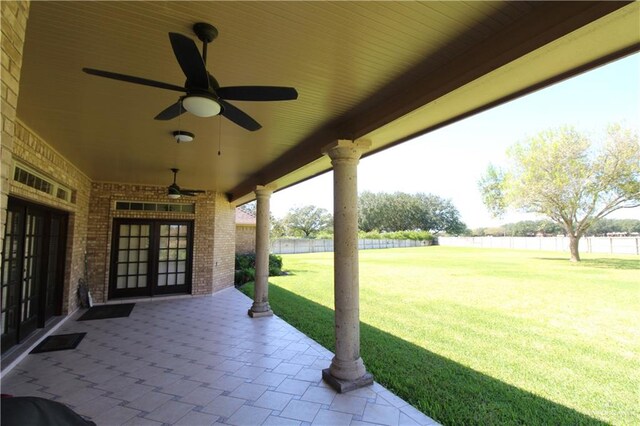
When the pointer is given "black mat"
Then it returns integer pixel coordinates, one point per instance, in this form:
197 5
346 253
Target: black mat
60 342
107 311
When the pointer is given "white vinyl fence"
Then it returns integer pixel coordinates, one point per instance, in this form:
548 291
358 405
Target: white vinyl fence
290 246
611 245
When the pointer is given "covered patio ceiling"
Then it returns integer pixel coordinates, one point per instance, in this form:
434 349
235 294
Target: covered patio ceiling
384 71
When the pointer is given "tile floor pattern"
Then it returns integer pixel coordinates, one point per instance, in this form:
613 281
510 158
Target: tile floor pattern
200 361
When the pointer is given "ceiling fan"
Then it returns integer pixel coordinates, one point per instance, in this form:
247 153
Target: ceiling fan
175 192
203 95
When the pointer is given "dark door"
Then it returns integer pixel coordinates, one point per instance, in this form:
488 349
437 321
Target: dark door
150 257
32 269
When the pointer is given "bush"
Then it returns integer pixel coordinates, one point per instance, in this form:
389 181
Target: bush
245 269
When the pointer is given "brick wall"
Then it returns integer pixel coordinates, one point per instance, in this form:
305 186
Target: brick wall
208 251
13 27
245 239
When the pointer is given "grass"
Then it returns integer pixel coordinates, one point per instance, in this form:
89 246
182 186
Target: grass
479 336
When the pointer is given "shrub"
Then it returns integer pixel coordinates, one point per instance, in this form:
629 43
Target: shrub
245 269
398 235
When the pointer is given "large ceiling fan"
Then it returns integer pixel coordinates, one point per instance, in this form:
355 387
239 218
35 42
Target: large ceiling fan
203 95
174 191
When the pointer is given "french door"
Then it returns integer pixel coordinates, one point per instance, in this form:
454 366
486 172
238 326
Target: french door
150 257
32 269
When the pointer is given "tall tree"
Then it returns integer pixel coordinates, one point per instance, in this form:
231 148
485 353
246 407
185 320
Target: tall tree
307 221
560 175
399 211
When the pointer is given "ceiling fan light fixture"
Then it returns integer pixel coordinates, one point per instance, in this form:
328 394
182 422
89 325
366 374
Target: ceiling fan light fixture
173 196
201 105
182 136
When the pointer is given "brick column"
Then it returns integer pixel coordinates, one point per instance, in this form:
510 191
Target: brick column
14 25
260 307
347 370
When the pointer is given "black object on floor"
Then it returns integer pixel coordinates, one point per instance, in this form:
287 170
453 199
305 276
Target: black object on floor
59 342
107 311
32 410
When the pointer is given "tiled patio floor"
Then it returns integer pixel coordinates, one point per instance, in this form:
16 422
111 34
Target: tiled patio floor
200 361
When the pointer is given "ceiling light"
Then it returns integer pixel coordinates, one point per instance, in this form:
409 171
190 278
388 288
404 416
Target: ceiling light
182 136
201 105
173 196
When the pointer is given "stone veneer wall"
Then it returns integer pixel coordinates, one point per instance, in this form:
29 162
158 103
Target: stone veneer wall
30 149
13 28
245 239
213 248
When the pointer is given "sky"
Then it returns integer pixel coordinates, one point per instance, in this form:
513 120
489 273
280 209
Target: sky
449 162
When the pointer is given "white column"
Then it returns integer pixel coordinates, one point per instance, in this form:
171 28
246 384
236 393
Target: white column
260 307
347 371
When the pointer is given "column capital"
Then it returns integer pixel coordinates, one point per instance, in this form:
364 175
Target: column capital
265 190
346 150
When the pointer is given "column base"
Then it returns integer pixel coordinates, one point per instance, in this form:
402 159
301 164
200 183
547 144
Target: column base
342 386
253 314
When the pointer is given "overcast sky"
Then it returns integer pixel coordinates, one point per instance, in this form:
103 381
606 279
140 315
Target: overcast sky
448 162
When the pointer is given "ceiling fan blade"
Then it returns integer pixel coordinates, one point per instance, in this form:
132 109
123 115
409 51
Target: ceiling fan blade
239 117
171 111
257 93
132 79
191 192
190 61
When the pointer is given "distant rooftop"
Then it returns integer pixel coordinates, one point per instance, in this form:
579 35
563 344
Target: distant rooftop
244 218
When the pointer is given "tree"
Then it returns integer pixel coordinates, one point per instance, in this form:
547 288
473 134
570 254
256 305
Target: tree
307 221
250 208
386 212
558 174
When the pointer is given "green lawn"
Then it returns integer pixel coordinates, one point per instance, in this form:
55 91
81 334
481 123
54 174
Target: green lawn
479 336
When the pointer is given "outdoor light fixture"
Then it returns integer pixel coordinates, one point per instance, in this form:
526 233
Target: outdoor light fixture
174 193
201 105
183 136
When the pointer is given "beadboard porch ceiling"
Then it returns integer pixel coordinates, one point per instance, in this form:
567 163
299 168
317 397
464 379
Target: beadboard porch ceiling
385 71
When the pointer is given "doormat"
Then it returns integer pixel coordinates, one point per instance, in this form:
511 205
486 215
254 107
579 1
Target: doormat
107 311
60 342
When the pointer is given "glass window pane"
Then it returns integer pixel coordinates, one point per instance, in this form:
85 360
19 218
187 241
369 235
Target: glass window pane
172 267
164 242
122 269
143 256
162 267
174 230
144 243
142 281
182 254
182 243
123 244
133 243
163 255
131 282
171 280
122 256
122 282
173 254
180 279
183 230
124 230
133 269
142 268
144 230
164 230
182 266
133 256
162 280
135 230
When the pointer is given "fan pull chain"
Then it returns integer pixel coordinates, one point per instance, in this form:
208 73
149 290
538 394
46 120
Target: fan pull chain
219 137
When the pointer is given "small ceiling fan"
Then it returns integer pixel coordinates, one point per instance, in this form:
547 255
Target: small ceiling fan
175 192
204 97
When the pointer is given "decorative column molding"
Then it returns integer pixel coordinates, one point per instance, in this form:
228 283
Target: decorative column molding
347 370
260 307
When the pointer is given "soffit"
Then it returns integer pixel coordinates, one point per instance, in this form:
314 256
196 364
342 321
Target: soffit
346 59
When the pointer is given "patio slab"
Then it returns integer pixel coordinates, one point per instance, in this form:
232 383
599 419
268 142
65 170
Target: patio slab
199 360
